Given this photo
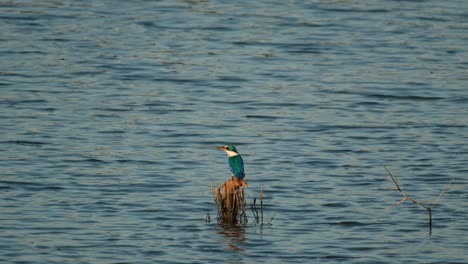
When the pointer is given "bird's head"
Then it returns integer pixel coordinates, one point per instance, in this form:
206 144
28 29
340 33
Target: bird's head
230 150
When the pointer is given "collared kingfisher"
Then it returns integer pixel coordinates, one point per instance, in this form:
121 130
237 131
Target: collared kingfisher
236 164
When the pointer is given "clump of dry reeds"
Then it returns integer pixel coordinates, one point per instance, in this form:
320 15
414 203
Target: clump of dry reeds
230 201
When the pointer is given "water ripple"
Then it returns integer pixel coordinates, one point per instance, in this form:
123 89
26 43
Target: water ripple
109 116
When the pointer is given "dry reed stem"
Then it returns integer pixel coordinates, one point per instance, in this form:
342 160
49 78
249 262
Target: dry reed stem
261 203
258 216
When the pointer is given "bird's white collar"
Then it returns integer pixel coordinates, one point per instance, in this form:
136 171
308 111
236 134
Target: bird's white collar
231 153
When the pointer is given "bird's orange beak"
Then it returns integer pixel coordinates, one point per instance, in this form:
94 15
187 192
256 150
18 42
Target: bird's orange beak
221 148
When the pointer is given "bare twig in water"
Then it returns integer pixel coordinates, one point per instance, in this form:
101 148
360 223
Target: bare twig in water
442 193
254 209
407 198
271 220
258 212
261 202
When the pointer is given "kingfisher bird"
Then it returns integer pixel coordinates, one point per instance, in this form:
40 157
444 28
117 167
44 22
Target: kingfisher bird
236 164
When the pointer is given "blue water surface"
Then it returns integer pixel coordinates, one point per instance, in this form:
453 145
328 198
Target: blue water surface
109 112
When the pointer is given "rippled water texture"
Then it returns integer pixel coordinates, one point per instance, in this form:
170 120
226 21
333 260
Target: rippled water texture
109 112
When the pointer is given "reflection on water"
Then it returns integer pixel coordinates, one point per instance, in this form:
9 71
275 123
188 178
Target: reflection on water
234 236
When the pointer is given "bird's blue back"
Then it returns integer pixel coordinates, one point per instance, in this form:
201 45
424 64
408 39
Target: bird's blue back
236 165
